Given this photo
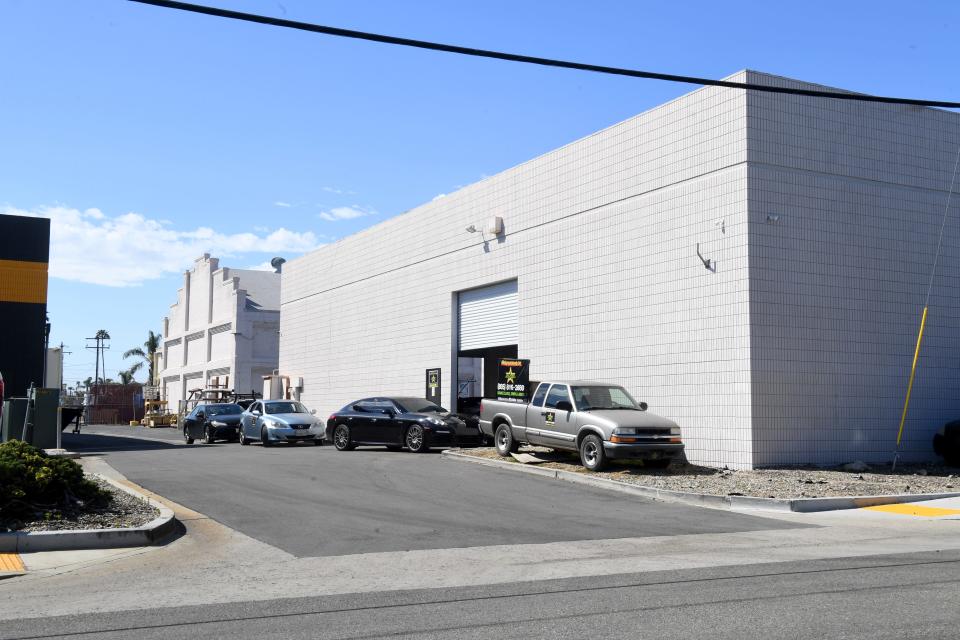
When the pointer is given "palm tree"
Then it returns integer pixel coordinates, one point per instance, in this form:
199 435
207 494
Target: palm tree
148 353
126 377
88 382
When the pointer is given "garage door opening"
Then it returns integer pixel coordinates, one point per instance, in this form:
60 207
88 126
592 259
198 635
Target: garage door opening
488 329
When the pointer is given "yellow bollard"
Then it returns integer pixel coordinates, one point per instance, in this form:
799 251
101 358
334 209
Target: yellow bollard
913 371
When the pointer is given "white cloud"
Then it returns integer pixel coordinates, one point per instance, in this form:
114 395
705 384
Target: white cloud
281 203
345 213
127 250
339 191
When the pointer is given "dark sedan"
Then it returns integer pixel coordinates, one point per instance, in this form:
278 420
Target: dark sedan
397 422
212 422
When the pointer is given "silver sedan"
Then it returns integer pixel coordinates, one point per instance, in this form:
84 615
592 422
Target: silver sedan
272 421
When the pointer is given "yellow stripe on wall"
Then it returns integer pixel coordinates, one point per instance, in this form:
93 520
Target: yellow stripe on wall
23 281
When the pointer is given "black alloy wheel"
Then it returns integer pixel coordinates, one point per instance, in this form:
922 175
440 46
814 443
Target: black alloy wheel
186 435
264 440
415 439
244 440
504 440
341 438
208 437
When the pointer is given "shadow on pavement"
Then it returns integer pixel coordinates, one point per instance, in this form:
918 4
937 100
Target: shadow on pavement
85 442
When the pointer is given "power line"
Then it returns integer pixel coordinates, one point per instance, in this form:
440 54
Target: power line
547 62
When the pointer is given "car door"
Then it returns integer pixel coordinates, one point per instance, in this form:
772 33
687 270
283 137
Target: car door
190 423
362 421
395 424
559 422
381 421
253 424
534 422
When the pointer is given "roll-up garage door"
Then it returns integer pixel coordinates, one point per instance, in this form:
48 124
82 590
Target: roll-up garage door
489 316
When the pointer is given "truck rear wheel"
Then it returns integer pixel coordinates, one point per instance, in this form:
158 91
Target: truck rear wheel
592 455
504 440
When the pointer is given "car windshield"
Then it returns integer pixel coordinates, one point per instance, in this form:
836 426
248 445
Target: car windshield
598 397
284 407
223 409
414 405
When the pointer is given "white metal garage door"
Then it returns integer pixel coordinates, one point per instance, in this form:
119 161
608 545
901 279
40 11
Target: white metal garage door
489 316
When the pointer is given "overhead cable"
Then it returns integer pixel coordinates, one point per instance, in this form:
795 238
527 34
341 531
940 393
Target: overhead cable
547 62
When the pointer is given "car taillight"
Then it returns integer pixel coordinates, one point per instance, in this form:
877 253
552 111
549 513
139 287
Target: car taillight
333 416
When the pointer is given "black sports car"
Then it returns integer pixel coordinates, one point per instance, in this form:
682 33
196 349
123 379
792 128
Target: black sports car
212 422
397 422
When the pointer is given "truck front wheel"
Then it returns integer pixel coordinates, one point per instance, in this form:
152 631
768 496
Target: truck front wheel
592 455
504 440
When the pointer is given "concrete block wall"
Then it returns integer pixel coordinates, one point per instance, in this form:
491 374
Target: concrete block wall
837 282
602 237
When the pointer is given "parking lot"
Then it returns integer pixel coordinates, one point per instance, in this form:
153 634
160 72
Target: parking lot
316 501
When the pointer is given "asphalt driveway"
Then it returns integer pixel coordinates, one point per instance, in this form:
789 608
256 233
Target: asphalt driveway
316 501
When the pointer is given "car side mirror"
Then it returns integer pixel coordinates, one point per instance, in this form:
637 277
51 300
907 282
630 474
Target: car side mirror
254 412
643 406
201 416
313 412
564 405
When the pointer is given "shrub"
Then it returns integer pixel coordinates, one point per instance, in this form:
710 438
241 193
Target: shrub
34 485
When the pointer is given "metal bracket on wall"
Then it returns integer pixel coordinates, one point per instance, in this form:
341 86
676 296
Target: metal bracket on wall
706 261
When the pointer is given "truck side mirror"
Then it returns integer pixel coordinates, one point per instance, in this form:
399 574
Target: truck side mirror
564 405
643 406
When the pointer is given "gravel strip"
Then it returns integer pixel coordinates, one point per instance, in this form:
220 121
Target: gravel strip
793 482
121 512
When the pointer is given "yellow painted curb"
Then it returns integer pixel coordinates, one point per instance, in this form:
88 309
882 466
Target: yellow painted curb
915 510
11 562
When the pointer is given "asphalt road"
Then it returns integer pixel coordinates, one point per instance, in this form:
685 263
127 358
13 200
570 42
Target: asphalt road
316 501
908 596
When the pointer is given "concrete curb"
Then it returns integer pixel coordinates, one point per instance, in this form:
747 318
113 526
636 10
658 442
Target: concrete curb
799 505
144 536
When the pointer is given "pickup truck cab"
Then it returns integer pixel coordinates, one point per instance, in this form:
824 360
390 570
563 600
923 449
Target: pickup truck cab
599 420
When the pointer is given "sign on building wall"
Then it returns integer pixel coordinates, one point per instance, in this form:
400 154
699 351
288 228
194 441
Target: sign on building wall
513 380
433 391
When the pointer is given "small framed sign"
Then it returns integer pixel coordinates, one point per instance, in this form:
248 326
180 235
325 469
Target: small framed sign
513 380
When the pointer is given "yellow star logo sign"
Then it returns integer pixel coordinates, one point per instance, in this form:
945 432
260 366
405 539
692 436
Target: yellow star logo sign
510 375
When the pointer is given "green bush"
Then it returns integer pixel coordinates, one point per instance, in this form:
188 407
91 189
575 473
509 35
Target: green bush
34 485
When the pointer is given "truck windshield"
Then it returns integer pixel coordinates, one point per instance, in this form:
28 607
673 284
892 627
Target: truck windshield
597 397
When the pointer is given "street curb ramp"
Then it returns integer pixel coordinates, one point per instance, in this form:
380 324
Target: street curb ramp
145 536
798 505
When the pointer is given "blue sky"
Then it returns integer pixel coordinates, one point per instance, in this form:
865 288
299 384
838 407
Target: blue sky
150 135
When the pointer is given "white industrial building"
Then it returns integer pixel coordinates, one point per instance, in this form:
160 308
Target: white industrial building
223 328
753 265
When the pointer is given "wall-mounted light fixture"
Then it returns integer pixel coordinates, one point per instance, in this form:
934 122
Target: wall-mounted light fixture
472 229
771 218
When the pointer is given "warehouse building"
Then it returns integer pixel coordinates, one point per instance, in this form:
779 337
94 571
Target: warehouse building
221 330
24 257
753 265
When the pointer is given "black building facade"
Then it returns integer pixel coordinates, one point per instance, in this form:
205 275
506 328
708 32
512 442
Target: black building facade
24 254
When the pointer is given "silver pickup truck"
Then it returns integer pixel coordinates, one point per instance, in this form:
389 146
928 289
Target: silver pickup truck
599 420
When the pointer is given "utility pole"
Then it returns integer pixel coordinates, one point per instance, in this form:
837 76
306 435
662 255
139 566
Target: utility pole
100 345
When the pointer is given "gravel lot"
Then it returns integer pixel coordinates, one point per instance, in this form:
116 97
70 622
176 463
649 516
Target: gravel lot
123 510
802 482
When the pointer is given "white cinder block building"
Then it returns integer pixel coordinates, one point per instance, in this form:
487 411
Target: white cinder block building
225 322
819 219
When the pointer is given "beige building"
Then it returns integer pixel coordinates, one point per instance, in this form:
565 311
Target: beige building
225 325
